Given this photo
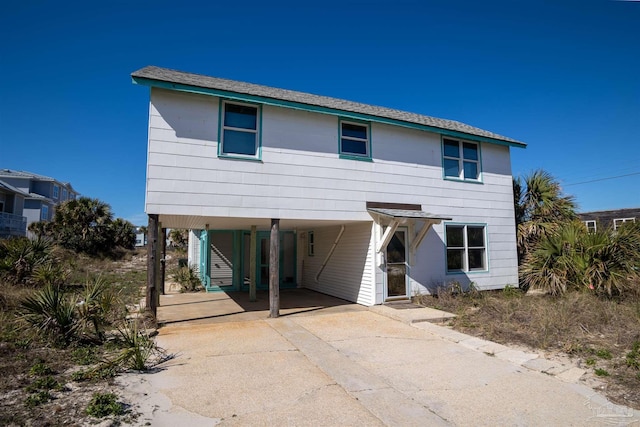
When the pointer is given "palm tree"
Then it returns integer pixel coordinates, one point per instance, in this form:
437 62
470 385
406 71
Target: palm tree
540 207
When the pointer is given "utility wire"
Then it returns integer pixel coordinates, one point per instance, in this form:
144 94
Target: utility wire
602 179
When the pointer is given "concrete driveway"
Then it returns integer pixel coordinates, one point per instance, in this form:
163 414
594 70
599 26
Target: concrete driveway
351 366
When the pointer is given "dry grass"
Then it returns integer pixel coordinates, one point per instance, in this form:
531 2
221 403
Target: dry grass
600 332
21 349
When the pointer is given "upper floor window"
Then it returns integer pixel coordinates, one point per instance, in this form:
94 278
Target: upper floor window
355 141
56 191
466 248
44 213
461 159
591 226
64 194
619 221
72 196
240 135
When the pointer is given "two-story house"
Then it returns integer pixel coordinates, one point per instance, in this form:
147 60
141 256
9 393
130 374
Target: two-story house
373 204
597 220
41 194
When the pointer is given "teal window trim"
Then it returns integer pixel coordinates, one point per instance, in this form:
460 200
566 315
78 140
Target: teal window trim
486 247
318 109
368 157
232 156
480 179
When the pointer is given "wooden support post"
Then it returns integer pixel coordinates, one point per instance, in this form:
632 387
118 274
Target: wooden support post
152 256
274 269
252 264
163 260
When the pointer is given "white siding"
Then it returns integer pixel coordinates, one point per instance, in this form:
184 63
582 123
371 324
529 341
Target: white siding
301 177
348 273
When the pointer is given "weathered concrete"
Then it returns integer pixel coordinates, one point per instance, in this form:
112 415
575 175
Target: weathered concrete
341 366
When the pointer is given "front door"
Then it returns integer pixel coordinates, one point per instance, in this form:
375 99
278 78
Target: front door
287 259
397 266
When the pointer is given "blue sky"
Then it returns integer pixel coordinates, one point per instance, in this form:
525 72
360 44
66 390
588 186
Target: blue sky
562 76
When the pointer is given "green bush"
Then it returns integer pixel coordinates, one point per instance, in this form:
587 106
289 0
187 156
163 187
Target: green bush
605 262
38 398
187 278
52 314
20 257
104 404
138 349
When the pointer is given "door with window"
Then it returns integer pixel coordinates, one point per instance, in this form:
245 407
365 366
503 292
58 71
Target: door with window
397 268
263 247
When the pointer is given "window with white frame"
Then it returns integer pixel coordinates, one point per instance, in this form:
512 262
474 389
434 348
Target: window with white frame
44 213
56 191
619 221
64 194
240 135
591 226
311 245
466 248
354 139
461 159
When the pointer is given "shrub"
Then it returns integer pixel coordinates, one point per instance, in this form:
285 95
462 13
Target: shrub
19 257
104 404
38 398
52 314
605 262
139 351
187 278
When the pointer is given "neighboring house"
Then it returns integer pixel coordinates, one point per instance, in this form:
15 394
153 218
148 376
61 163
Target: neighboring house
13 223
43 194
373 204
609 219
141 239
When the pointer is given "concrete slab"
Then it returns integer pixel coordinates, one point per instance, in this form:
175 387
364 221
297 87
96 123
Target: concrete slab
408 312
516 356
337 366
544 365
571 375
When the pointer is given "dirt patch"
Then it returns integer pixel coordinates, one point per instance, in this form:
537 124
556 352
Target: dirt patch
596 334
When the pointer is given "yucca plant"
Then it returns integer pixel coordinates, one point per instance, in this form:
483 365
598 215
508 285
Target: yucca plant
188 279
52 313
90 310
19 257
139 349
52 274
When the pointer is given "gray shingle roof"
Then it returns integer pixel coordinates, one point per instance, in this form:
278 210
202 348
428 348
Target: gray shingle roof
10 173
11 188
206 82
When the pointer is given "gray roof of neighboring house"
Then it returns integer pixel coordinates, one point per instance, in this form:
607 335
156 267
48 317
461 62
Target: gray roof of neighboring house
197 80
13 189
10 173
